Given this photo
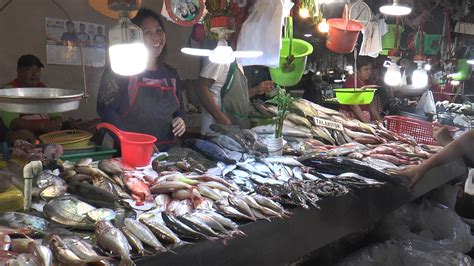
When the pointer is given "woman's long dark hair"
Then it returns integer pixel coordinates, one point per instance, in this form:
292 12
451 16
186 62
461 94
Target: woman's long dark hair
144 13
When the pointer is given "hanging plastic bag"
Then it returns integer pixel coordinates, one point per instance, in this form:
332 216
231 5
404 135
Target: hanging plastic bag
261 31
426 104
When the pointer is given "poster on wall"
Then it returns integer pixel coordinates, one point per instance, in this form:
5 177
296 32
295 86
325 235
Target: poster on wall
65 37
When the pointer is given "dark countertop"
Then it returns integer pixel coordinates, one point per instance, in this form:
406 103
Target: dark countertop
285 240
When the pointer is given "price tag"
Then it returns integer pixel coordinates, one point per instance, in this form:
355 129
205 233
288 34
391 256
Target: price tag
328 124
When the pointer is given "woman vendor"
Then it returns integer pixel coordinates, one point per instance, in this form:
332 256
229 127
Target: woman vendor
364 113
150 101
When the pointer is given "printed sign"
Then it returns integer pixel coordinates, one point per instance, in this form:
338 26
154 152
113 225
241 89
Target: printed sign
64 39
328 124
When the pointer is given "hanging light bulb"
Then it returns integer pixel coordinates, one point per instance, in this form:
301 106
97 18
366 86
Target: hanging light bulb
427 67
395 9
392 77
323 26
455 82
419 77
470 61
127 51
304 12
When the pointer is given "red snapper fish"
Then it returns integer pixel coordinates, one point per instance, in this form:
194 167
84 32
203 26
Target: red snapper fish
140 191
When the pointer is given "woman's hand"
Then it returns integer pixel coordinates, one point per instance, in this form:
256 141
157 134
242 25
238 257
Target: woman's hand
414 174
261 88
179 127
441 134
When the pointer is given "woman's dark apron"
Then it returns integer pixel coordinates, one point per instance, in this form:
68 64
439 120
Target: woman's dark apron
151 109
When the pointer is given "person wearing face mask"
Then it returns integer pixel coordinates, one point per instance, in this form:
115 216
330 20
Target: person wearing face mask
367 112
28 126
149 102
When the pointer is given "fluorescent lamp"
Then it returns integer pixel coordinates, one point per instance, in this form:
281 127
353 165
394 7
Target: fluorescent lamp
393 77
307 35
127 51
222 54
470 61
395 9
455 82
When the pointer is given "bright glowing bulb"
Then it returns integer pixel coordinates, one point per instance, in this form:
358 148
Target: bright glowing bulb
222 55
307 35
318 73
419 78
470 61
393 77
127 51
395 10
455 82
304 12
128 59
427 67
323 26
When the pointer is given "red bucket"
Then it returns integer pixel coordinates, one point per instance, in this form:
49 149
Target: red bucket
137 148
342 35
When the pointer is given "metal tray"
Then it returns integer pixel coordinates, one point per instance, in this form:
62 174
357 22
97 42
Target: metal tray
39 100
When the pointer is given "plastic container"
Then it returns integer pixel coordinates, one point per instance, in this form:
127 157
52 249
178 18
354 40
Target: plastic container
137 148
431 43
463 70
11 200
388 40
421 131
275 146
97 153
354 96
343 34
67 138
301 49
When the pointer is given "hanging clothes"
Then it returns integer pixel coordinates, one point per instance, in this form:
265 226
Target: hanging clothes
372 38
261 31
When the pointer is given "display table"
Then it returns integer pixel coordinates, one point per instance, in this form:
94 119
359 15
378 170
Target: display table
285 240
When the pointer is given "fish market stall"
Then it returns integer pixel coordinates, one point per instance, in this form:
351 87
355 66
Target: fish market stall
223 200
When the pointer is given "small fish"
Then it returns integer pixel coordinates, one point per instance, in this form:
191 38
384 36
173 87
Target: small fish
181 228
217 185
229 168
230 211
226 222
186 194
144 234
110 167
140 191
43 253
197 225
83 250
62 253
283 160
133 240
111 238
211 150
69 211
162 201
211 222
229 143
169 186
240 204
102 214
299 120
155 222
297 173
264 201
208 192
263 180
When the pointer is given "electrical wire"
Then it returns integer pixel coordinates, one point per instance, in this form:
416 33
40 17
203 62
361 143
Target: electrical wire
5 5
62 9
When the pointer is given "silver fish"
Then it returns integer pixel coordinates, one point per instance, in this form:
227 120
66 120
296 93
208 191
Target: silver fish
154 221
62 253
69 211
264 201
240 204
217 185
298 173
310 177
229 143
226 222
208 192
162 201
240 173
263 180
229 168
283 160
250 168
144 233
102 214
111 238
83 250
43 253
197 225
110 167
211 222
230 211
134 241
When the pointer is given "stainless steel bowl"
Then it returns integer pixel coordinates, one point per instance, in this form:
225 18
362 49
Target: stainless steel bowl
39 100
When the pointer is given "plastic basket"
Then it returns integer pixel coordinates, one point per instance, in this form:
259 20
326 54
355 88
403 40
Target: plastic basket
67 138
354 96
421 131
